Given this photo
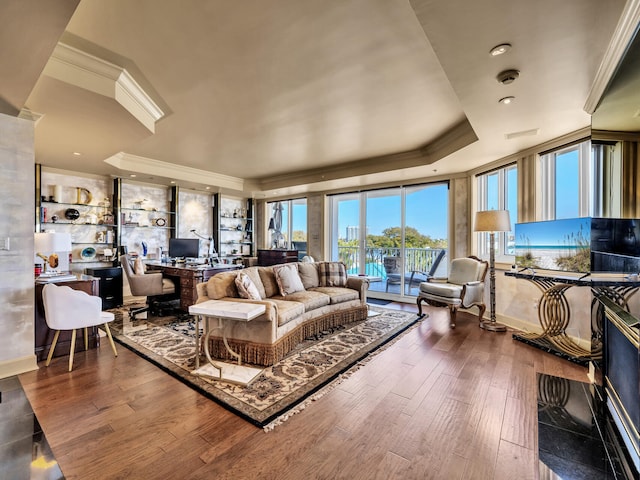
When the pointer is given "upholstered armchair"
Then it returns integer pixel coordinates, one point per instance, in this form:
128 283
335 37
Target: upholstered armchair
69 309
151 285
463 288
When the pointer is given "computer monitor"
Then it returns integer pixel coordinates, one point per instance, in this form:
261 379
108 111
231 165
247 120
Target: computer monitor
184 247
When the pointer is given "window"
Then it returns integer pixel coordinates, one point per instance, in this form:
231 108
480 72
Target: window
567 182
288 224
498 190
392 235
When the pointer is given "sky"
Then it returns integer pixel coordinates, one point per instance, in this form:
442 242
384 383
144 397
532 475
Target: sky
426 211
552 232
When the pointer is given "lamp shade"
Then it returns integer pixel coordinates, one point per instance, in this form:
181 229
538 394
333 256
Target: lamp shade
52 242
492 221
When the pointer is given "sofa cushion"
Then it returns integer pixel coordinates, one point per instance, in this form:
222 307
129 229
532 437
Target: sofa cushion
288 310
254 275
441 289
288 279
246 287
269 281
338 294
332 274
222 285
309 275
309 298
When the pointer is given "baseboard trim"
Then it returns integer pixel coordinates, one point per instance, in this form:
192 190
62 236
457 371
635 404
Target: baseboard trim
16 366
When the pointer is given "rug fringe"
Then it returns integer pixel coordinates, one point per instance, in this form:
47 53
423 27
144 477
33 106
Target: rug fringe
335 383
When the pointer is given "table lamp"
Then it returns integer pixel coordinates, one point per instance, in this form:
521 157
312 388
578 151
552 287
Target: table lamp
492 221
47 244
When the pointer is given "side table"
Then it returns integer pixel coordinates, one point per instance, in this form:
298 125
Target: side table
225 312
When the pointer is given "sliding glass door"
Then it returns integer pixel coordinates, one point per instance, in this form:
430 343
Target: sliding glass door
394 236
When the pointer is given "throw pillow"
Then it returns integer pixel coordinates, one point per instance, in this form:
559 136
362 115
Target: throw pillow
138 266
332 274
309 275
246 287
288 279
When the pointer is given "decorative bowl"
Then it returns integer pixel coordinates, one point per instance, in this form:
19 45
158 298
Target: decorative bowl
71 214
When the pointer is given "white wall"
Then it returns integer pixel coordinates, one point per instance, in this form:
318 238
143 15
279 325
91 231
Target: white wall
17 177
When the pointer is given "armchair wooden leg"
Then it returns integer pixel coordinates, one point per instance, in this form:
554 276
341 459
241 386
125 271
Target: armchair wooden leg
453 309
419 302
113 345
73 348
86 339
482 307
52 348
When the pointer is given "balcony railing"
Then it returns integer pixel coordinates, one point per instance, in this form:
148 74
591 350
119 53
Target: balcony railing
418 259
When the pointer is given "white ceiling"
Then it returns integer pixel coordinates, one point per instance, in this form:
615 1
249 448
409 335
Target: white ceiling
302 95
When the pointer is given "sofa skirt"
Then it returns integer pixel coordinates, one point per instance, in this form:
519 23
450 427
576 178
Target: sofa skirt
268 354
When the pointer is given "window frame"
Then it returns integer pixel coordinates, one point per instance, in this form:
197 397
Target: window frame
588 202
501 238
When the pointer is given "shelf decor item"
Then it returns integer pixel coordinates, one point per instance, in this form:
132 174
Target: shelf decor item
71 214
83 196
88 253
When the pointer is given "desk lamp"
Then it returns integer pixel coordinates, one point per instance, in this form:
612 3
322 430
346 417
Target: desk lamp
50 243
211 254
492 221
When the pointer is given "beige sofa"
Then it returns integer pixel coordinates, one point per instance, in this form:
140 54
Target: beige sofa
317 296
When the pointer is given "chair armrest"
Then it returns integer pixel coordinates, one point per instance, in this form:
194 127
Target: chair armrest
148 284
438 279
475 282
472 293
360 284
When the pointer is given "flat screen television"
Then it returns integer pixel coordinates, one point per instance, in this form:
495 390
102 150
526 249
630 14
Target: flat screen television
585 245
184 248
555 245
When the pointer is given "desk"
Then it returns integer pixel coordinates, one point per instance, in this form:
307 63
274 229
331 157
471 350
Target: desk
186 278
44 336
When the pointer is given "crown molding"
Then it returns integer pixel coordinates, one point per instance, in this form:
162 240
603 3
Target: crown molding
157 168
30 115
622 37
81 69
456 138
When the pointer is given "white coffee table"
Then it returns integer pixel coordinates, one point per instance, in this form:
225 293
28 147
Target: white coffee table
224 311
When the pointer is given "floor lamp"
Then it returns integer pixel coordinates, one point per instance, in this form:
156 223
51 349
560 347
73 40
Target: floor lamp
492 221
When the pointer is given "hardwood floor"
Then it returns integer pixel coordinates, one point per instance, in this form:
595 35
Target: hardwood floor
438 403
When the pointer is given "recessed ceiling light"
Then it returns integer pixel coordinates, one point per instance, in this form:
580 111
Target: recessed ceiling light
207 188
506 100
173 181
133 175
77 154
500 49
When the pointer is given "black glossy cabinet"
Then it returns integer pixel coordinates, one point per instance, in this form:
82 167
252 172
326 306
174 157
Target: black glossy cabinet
110 285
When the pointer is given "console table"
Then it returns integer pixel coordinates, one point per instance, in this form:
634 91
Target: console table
187 277
276 256
554 313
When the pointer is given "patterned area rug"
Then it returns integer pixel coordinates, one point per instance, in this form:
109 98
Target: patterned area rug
280 390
